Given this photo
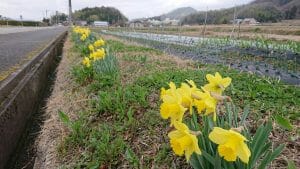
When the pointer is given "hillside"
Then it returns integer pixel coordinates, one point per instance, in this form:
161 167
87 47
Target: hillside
110 14
289 8
177 14
261 10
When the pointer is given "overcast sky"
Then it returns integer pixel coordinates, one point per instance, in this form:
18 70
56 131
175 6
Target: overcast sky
36 9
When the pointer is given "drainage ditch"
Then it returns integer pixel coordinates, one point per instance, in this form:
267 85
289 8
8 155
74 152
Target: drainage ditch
25 154
22 98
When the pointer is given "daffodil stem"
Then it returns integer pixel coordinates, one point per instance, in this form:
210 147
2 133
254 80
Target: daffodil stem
194 120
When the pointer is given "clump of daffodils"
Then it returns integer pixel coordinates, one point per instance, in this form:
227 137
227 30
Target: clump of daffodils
93 50
83 32
97 52
86 62
178 101
201 130
99 43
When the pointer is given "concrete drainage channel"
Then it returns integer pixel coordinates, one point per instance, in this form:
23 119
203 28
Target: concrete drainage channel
21 96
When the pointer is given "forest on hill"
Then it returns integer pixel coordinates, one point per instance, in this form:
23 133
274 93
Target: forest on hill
261 10
110 14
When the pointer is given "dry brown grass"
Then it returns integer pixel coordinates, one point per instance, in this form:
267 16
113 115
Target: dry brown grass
161 61
152 59
66 98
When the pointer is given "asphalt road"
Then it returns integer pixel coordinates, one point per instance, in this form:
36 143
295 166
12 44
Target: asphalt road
16 44
16 29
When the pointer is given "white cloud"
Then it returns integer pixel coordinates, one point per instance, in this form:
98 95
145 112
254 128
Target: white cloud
36 9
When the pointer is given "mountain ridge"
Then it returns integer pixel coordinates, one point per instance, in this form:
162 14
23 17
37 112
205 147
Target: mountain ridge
177 13
261 10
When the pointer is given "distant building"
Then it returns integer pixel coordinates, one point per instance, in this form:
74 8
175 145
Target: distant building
144 22
170 22
136 24
81 23
246 21
153 22
250 21
174 22
237 21
100 23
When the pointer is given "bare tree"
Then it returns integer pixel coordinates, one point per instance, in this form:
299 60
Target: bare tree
205 20
234 20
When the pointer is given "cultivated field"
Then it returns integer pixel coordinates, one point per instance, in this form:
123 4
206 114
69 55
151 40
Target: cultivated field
283 31
261 55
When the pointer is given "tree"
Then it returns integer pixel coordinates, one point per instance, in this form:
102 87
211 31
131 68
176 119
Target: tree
47 21
291 14
59 18
92 18
109 14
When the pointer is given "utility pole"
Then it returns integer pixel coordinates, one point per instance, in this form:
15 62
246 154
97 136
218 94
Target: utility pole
47 13
21 18
56 14
70 12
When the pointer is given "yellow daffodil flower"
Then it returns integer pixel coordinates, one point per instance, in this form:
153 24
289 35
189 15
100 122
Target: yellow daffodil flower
83 37
165 92
231 144
172 107
79 30
186 94
91 47
162 92
216 83
99 43
186 91
98 54
83 32
86 61
206 102
183 142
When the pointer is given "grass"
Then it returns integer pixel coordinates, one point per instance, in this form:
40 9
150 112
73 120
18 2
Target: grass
122 127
